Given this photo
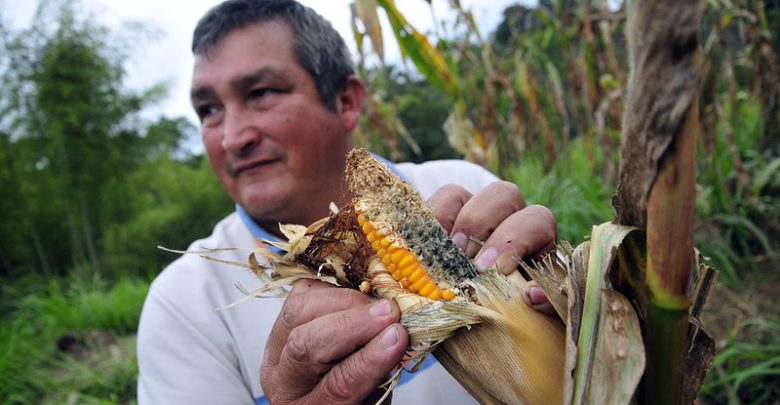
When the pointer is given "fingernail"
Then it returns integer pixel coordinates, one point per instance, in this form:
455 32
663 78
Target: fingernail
390 337
485 259
461 241
536 295
380 308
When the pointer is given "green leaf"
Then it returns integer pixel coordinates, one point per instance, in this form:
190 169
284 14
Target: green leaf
766 176
726 19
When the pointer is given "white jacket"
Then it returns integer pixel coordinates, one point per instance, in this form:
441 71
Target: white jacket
188 353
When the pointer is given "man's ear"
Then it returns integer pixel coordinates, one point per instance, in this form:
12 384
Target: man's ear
350 102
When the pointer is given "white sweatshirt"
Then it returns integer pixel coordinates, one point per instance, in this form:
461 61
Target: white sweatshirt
188 353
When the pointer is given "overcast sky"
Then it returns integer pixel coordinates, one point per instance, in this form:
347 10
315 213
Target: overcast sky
168 57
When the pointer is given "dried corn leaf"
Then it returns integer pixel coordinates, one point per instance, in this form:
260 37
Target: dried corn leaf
551 274
428 60
515 355
366 12
606 334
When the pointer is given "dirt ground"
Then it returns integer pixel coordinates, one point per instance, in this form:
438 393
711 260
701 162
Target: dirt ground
728 308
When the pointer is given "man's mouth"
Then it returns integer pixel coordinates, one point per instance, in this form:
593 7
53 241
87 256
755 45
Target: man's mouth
249 167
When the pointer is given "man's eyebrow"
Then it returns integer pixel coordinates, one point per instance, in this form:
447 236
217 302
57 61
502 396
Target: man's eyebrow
201 93
241 84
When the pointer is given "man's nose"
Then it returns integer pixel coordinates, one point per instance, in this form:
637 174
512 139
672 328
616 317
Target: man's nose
239 133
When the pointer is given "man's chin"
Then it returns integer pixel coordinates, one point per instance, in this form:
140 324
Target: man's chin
265 206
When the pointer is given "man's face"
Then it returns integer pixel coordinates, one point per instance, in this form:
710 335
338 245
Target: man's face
276 148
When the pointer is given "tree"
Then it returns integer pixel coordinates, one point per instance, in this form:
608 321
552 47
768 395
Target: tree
70 123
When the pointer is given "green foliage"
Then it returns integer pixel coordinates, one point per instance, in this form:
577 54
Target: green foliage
747 371
32 367
572 189
738 206
106 379
420 107
72 135
89 191
173 205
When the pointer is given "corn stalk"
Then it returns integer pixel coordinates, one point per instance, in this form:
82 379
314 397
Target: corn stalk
657 179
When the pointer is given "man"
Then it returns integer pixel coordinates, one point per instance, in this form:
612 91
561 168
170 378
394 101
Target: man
276 94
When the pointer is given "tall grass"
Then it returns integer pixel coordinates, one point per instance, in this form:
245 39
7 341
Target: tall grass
738 206
32 367
573 189
747 372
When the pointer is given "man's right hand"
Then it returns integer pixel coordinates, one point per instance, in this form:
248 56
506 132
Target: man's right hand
331 345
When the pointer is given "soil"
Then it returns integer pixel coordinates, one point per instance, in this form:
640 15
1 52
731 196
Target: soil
728 308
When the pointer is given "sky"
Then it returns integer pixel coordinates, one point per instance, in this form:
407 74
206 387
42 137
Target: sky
167 57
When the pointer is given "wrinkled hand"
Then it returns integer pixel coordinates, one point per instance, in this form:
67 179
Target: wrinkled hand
331 346
495 227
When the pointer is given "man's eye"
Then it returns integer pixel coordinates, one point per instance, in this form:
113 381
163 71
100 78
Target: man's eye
207 113
204 111
261 98
258 93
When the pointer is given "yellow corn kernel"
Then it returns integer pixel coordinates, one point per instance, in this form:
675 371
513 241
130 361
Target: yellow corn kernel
402 264
407 260
387 242
447 295
427 290
416 273
422 282
387 260
399 255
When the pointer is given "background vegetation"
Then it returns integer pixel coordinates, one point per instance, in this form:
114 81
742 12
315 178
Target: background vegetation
89 188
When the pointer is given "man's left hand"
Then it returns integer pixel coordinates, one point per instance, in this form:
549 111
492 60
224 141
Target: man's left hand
496 228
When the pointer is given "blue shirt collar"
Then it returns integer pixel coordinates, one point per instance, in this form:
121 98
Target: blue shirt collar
260 233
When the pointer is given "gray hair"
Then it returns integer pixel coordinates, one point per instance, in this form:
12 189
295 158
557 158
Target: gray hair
319 48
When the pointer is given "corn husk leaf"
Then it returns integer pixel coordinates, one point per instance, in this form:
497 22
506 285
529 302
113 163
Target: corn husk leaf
494 361
551 274
610 348
575 288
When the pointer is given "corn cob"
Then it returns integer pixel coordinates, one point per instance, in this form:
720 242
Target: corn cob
388 243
